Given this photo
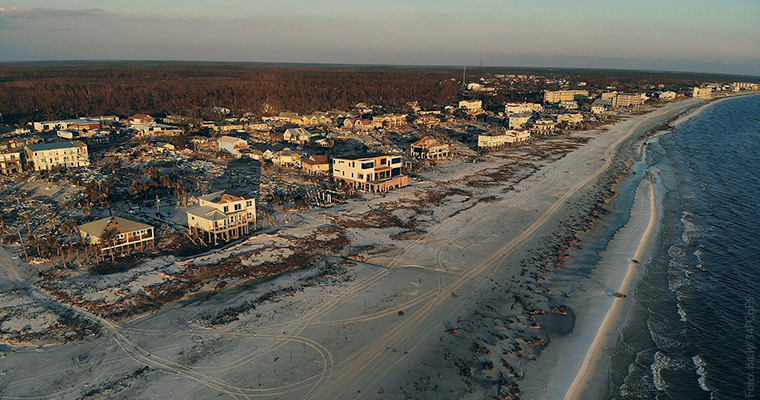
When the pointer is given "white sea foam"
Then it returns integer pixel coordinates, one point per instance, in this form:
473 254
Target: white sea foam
691 230
678 275
698 254
700 365
681 312
661 362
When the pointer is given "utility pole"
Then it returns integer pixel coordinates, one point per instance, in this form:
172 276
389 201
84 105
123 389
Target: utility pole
464 77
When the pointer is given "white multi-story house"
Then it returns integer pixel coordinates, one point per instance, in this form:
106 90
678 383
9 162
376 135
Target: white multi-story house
10 162
297 136
702 92
430 148
471 106
517 108
543 127
517 121
372 172
598 109
45 156
232 145
626 100
560 95
508 138
569 104
128 234
223 216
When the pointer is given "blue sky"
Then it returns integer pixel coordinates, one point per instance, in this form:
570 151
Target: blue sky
690 35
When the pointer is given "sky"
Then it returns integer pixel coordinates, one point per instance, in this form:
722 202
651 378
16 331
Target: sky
672 35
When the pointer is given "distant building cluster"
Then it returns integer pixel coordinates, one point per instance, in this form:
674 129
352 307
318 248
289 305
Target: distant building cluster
366 148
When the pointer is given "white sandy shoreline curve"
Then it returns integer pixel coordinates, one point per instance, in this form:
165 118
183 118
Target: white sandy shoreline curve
617 254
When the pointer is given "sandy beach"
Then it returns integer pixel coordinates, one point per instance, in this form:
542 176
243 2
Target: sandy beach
460 307
596 325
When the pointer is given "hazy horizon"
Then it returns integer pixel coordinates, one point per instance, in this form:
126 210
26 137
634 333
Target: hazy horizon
649 35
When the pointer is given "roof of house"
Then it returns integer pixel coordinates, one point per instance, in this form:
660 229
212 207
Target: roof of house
122 225
207 212
317 159
141 116
223 196
425 141
360 156
287 152
230 140
50 146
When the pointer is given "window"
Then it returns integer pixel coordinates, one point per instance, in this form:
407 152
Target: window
238 207
249 203
361 176
396 160
226 209
368 165
382 161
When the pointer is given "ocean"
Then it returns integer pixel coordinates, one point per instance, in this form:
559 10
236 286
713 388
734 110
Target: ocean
692 332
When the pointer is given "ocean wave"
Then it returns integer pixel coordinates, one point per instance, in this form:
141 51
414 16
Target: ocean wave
678 275
666 335
691 230
661 363
681 312
700 365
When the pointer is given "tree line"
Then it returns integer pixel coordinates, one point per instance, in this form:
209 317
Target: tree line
37 92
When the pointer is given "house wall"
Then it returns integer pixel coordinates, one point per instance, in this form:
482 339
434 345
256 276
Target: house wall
71 157
10 162
131 238
560 95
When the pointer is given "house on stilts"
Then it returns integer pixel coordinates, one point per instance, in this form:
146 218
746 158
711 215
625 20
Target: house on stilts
222 216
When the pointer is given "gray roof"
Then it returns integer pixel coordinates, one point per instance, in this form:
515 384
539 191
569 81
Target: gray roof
122 225
50 146
207 212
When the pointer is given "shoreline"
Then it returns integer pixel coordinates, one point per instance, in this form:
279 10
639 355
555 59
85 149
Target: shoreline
424 300
501 268
597 338
611 320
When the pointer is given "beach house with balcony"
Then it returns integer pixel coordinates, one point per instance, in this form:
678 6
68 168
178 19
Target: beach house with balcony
430 148
507 138
222 216
10 162
128 234
45 156
318 164
232 145
369 172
